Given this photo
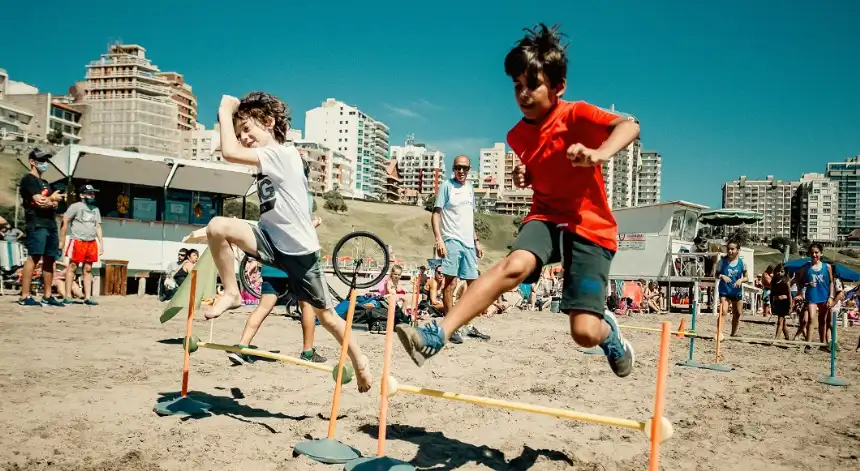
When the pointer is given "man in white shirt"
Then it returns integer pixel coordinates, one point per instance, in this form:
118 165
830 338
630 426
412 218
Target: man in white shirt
253 133
453 223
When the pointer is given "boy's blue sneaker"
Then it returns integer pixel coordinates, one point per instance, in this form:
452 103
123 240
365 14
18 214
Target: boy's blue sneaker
421 343
619 352
29 301
90 302
52 301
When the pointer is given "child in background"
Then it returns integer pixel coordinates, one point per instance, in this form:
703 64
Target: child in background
818 292
732 273
782 300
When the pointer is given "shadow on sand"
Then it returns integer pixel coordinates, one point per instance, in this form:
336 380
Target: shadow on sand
230 407
436 452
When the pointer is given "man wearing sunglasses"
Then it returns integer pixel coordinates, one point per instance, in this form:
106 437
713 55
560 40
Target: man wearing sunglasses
453 223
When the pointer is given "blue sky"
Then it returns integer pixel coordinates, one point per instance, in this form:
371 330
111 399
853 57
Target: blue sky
772 88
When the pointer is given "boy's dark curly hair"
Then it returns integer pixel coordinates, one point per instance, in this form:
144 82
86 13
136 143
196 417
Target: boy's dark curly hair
539 51
262 107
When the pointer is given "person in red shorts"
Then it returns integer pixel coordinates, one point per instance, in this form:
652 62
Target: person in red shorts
562 146
83 223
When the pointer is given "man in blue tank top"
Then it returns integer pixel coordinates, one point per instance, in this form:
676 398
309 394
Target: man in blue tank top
731 273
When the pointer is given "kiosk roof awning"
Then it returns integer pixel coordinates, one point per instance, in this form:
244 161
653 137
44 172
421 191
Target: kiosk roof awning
96 163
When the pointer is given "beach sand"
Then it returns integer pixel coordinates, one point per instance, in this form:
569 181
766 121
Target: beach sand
79 384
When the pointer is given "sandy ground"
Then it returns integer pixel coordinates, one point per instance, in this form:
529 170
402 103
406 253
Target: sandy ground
78 386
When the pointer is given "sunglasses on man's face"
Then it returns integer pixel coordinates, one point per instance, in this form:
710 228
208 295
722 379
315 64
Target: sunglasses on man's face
461 168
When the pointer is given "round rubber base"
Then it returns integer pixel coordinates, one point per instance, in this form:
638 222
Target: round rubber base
833 381
706 366
378 463
183 406
327 451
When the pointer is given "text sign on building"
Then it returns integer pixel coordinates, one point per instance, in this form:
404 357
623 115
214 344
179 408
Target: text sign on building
634 241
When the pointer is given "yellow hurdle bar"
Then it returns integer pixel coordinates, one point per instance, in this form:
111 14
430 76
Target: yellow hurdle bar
484 401
265 354
775 341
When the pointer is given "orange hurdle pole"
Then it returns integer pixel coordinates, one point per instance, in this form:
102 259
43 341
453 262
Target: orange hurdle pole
416 293
719 335
184 405
338 385
189 324
381 461
329 450
659 397
386 370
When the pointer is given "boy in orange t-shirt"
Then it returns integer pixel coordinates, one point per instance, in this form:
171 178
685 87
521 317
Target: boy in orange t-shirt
562 146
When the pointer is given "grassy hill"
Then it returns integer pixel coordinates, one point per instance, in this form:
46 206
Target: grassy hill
406 229
10 172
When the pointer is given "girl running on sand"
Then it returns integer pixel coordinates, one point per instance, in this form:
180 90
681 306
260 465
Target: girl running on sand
783 301
817 280
731 273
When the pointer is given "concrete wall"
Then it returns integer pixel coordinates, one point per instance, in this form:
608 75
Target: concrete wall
648 263
648 220
39 105
148 246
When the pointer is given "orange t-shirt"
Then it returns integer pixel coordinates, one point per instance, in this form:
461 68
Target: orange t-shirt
564 194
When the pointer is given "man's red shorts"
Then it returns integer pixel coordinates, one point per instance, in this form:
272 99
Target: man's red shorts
83 251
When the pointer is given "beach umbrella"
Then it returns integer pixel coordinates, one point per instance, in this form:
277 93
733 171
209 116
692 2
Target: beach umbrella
839 270
729 217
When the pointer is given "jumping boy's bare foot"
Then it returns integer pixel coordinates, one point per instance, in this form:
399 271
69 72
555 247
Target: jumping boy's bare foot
226 303
363 376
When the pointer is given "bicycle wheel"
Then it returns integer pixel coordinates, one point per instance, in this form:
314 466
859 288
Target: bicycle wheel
360 254
249 270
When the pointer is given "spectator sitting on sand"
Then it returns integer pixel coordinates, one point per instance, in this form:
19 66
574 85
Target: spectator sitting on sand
61 271
390 284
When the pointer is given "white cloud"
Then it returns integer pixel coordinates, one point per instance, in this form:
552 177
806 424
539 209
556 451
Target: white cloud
401 111
423 103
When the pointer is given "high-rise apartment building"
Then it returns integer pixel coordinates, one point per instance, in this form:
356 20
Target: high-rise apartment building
420 169
130 105
620 172
201 144
814 211
329 169
186 101
649 178
846 175
492 162
363 140
770 197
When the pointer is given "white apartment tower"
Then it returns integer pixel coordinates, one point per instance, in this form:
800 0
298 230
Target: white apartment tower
770 197
620 176
420 169
815 209
130 105
492 163
620 172
649 178
847 176
363 140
